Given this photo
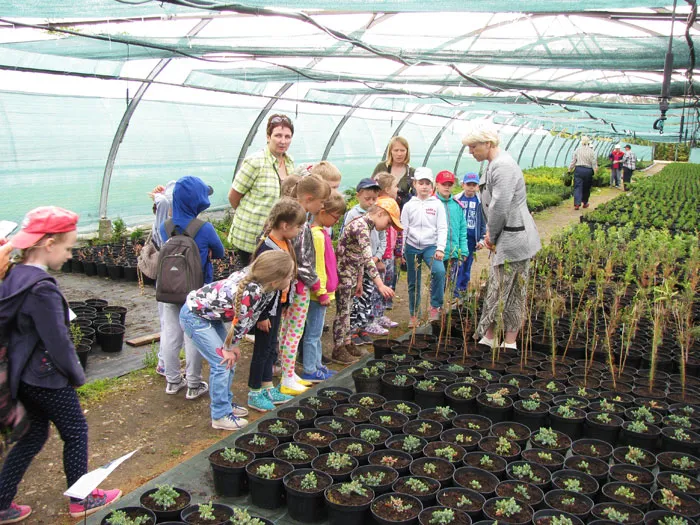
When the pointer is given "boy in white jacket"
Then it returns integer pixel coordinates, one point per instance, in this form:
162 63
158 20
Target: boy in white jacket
424 237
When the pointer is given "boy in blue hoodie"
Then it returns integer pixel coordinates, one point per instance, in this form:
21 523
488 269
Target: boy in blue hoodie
476 227
190 198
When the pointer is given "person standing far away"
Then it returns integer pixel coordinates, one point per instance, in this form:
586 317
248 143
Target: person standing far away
257 186
629 164
584 163
476 227
616 167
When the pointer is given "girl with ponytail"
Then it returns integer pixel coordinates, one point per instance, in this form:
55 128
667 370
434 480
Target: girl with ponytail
240 298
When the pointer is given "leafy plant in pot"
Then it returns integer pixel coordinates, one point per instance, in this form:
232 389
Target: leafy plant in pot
507 510
522 491
376 477
626 492
435 468
258 443
305 488
443 516
207 513
367 379
554 517
111 334
396 508
348 503
129 516
408 443
303 416
298 454
282 429
640 434
392 421
165 501
265 480
337 465
678 482
666 499
567 420
228 468
421 487
477 479
496 406
617 512
531 412
462 397
355 447
529 473
461 499
429 393
374 434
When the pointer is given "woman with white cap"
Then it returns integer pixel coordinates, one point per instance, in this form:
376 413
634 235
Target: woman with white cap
584 164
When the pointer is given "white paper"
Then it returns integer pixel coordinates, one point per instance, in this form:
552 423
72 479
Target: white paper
6 228
82 488
71 314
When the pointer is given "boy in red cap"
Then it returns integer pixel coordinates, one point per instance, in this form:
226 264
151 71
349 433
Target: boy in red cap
456 250
44 368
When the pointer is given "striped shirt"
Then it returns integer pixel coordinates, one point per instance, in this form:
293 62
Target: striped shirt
584 156
629 160
259 183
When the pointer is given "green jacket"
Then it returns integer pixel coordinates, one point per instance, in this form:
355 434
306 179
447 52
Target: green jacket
457 228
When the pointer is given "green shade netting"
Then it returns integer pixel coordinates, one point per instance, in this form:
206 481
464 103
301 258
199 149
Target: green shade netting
114 8
582 51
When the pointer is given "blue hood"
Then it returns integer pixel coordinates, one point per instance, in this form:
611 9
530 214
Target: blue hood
190 198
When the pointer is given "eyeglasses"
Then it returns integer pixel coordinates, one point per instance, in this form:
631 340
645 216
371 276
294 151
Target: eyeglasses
278 120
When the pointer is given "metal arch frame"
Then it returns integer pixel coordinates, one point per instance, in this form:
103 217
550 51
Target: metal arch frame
559 152
512 138
534 156
126 119
574 144
554 139
341 124
527 140
439 134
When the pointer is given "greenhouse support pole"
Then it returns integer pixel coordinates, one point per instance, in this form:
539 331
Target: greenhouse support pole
534 156
459 158
546 153
124 124
512 138
522 150
438 135
341 124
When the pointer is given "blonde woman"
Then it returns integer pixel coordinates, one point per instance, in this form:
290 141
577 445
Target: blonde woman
511 235
397 164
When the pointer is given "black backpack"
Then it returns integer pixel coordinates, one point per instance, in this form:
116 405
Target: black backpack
179 264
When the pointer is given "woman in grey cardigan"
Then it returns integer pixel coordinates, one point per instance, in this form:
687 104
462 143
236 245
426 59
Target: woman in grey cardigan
511 235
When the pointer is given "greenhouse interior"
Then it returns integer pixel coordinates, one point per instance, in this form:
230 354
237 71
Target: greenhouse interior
537 159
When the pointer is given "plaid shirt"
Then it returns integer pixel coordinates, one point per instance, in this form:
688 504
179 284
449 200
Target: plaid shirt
259 183
629 160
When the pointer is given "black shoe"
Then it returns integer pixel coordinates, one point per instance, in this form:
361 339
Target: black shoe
366 338
325 360
325 329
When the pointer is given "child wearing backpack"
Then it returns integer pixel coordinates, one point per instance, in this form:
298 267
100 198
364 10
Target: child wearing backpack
190 198
327 269
425 237
286 220
44 368
240 298
310 192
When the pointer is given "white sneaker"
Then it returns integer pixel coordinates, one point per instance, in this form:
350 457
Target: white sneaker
249 337
301 381
229 422
376 329
174 388
385 322
239 411
291 384
512 346
196 391
486 341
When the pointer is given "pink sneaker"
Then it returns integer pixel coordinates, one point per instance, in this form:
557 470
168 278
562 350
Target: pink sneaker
15 513
385 322
99 499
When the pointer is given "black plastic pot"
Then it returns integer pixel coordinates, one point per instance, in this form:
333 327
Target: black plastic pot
391 443
380 443
394 392
534 420
311 451
217 506
446 497
460 404
646 441
495 414
428 498
572 427
115 272
303 506
426 516
525 508
552 494
366 384
670 443
111 337
267 493
132 512
415 503
339 514
545 514
83 350
657 517
636 516
116 311
230 481
383 347
90 268
166 515
429 399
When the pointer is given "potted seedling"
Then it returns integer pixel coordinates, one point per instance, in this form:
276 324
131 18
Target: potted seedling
207 513
436 468
554 517
477 479
396 459
522 491
571 502
111 334
448 451
339 426
367 379
320 439
530 412
357 448
462 397
335 464
305 489
282 429
368 400
355 413
377 477
303 416
165 501
550 439
129 516
640 434
258 443
228 468
529 473
298 454
374 434
265 477
395 509
626 492
429 393
322 405
442 516
392 421
423 428
413 445
243 517
348 502
507 510
421 487
617 512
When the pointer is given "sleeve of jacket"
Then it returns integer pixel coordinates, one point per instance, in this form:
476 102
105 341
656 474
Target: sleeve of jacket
306 261
45 304
481 221
442 228
379 168
463 244
214 242
502 190
405 212
379 253
252 305
320 248
366 244
246 177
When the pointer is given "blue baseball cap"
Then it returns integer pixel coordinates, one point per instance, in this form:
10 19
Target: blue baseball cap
366 184
471 177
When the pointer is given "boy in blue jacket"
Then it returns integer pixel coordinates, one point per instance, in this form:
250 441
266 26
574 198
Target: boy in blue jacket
190 198
476 227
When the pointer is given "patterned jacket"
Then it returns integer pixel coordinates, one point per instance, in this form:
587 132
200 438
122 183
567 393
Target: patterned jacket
510 225
216 302
354 251
306 259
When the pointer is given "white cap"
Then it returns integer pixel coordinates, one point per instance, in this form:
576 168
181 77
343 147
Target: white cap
424 173
618 146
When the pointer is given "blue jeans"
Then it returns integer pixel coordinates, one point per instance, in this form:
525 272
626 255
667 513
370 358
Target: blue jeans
414 259
312 336
464 274
207 336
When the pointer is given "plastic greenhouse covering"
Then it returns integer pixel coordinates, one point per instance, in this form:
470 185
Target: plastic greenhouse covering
100 100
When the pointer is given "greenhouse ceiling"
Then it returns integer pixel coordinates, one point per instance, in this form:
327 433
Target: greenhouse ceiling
122 82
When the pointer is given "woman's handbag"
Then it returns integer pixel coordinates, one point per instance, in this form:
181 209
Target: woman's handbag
148 259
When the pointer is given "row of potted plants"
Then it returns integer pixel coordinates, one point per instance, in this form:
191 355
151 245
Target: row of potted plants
96 322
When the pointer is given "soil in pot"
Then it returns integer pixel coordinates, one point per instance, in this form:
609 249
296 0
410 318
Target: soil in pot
305 489
679 461
374 434
567 479
596 468
339 426
396 459
476 479
265 481
436 468
321 439
508 510
392 421
337 465
508 450
569 501
555 517
148 516
512 431
422 487
338 394
486 461
298 454
368 400
442 414
193 514
465 500
634 456
282 429
624 492
631 474
679 440
665 499
550 439
423 428
593 448
376 477
396 508
166 502
461 397
355 413
679 482
228 468
303 416
440 449
348 503
467 439
617 512
406 408
529 473
322 405
523 492
480 424
413 445
355 447
443 515
258 443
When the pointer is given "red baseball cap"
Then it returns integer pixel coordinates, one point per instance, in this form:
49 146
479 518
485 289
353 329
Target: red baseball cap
43 221
445 176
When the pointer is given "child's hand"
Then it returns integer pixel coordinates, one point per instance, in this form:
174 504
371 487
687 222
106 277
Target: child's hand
325 301
479 245
230 357
4 257
264 326
386 292
358 289
439 255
